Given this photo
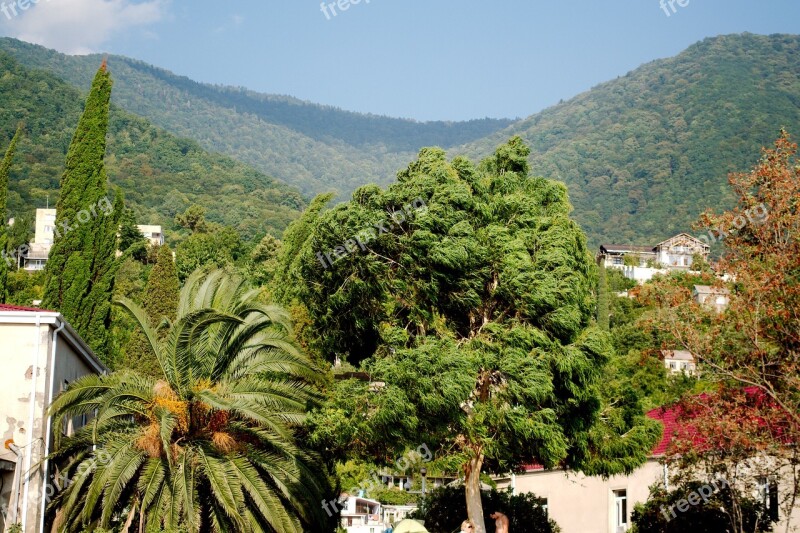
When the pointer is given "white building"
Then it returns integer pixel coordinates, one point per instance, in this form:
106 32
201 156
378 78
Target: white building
641 263
361 515
679 361
712 297
152 234
44 234
43 354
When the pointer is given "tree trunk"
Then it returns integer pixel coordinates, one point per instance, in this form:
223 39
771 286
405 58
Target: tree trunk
472 486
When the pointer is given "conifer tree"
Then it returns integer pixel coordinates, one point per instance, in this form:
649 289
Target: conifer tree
79 275
160 301
5 168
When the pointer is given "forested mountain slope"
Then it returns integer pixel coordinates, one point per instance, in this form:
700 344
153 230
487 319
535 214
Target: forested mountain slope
645 153
160 174
316 148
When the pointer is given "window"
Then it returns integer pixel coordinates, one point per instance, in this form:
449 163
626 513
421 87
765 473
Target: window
621 510
768 493
672 365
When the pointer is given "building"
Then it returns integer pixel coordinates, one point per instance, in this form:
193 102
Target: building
39 249
361 515
43 355
582 504
679 361
152 234
641 263
712 297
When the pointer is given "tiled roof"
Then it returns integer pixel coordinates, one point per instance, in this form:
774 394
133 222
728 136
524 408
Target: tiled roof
626 248
7 307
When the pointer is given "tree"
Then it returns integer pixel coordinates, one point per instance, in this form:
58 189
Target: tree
603 312
5 168
81 266
468 292
208 446
209 245
131 239
754 342
160 302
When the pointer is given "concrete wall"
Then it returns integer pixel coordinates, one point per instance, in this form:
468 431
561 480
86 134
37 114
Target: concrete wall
27 352
581 504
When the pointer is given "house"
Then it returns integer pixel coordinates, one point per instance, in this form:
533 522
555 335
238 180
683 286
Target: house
712 297
641 263
44 234
679 361
582 504
361 515
39 248
43 354
152 234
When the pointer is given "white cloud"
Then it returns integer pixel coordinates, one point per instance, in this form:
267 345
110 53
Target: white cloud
75 26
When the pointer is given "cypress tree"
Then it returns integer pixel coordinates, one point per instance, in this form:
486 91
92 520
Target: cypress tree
5 168
160 301
79 275
603 317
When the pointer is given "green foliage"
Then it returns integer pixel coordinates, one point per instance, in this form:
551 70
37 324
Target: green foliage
644 154
655 515
602 299
209 445
317 148
209 245
475 309
160 302
160 174
444 509
79 274
131 239
617 282
5 167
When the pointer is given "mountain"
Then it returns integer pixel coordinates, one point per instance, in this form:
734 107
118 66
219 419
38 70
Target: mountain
644 154
160 174
315 148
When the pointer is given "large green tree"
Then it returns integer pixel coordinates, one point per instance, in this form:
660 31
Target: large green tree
160 302
207 446
5 169
468 292
81 266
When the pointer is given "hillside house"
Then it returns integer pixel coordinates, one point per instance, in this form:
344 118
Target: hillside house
679 361
712 297
641 263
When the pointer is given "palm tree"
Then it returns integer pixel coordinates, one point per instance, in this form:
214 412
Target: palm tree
207 447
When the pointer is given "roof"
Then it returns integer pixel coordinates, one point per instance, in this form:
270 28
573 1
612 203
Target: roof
708 289
626 248
7 307
680 355
684 236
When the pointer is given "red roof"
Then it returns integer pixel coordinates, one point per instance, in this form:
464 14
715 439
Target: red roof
7 307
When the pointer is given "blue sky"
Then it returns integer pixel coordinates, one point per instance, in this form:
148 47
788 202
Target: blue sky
422 59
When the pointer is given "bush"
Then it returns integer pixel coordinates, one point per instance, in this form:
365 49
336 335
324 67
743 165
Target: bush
445 508
710 517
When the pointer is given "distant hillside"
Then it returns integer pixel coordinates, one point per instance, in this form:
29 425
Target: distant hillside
644 154
316 148
161 174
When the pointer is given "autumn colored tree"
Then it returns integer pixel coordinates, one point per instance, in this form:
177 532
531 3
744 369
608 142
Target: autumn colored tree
755 342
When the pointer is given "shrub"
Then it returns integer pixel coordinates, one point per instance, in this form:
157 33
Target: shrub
445 508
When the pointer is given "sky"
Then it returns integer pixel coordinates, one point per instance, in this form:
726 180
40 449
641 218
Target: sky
419 59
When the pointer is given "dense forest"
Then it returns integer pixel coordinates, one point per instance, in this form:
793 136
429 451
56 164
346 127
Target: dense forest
644 154
640 154
316 148
160 174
